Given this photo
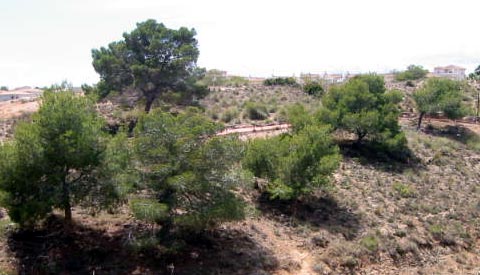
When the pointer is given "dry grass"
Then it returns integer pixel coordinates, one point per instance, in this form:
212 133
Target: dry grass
231 104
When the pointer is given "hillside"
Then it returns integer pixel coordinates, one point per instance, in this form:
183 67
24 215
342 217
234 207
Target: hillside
379 215
377 218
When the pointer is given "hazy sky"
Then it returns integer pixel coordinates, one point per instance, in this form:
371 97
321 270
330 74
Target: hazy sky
47 41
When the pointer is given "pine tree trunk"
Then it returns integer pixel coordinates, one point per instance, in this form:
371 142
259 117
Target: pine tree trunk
68 212
420 121
150 96
148 104
66 201
360 136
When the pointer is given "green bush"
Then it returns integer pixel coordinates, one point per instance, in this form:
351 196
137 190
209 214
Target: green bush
370 243
413 72
256 111
298 117
313 88
280 81
296 163
229 114
436 230
404 190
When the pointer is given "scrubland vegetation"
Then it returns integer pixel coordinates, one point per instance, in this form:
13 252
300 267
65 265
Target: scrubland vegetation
146 186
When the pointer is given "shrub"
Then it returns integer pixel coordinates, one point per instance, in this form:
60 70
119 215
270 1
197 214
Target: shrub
280 81
256 111
313 88
436 230
404 190
370 243
294 164
413 72
229 114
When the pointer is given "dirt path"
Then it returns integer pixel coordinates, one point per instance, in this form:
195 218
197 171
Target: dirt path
17 108
289 249
253 131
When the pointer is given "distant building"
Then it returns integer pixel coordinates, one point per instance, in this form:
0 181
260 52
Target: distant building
327 78
451 71
334 78
310 77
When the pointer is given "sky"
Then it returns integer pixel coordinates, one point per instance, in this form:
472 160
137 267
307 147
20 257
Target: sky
43 42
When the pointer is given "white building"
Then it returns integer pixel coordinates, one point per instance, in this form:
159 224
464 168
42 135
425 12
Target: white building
451 71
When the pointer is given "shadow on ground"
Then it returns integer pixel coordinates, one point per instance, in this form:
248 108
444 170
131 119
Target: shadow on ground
84 250
373 155
322 212
457 133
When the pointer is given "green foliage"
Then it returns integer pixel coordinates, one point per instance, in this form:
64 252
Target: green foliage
404 190
476 74
313 88
256 111
370 243
298 117
294 164
362 107
440 95
281 81
3 88
52 161
116 174
394 96
149 210
189 168
153 59
413 72
229 114
436 230
94 91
